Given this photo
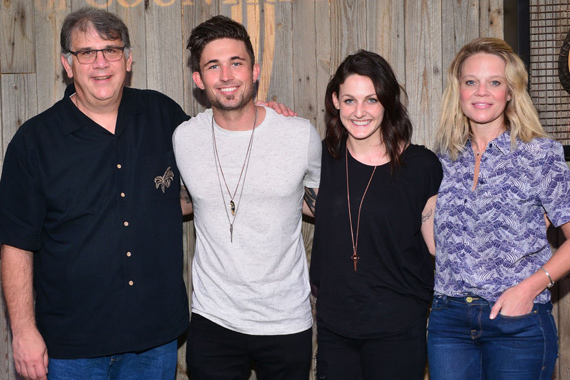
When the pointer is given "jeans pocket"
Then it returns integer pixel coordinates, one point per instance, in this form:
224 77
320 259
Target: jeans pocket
516 317
438 303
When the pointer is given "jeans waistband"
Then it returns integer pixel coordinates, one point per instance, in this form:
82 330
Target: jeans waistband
475 300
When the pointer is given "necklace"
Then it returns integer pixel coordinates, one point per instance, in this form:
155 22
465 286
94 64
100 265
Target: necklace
233 207
354 256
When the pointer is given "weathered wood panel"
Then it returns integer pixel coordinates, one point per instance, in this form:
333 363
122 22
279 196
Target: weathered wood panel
17 37
299 45
424 67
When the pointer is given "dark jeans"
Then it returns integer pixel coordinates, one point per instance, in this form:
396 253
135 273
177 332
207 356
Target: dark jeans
216 353
464 344
398 357
155 364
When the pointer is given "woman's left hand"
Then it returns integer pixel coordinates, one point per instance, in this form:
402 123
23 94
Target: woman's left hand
513 302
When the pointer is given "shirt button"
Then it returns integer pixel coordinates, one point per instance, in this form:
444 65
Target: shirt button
129 254
131 283
122 195
126 224
468 299
119 166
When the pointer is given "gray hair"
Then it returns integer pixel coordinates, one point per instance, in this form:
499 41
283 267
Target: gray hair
108 25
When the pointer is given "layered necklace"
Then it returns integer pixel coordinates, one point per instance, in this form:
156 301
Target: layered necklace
233 206
355 256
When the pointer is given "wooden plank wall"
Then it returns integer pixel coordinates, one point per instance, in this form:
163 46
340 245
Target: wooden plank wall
299 44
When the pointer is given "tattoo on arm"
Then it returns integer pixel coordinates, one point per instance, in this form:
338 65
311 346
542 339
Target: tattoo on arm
310 198
427 215
184 195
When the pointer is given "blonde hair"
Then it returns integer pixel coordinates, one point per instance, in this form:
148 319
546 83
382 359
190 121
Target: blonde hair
521 118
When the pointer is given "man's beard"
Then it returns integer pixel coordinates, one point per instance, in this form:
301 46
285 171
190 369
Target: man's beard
247 96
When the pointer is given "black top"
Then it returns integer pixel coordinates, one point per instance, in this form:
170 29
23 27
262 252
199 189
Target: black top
104 222
392 286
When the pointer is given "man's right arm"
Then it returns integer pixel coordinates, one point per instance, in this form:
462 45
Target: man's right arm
30 351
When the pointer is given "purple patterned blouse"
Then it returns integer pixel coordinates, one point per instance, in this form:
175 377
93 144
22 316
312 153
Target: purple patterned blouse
494 237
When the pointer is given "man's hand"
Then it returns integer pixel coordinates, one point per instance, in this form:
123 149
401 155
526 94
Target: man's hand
30 355
277 107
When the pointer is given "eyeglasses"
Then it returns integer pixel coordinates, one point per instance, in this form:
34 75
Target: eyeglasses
111 54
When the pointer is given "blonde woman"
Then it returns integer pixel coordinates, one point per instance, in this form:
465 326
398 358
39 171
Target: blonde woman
491 314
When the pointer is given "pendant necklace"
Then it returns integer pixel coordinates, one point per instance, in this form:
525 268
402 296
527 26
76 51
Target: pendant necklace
354 256
233 207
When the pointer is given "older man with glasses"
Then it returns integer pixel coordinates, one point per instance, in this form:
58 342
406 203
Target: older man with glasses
90 219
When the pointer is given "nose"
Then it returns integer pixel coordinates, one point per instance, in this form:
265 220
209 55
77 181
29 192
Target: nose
226 73
482 89
100 60
359 110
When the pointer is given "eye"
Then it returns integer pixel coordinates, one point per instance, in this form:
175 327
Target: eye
372 100
495 83
212 67
236 64
87 53
469 82
348 101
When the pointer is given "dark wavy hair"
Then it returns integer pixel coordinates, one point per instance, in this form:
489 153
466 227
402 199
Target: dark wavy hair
396 127
216 28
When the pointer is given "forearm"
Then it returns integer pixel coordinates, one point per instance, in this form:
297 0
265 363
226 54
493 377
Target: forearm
427 224
17 285
310 201
185 201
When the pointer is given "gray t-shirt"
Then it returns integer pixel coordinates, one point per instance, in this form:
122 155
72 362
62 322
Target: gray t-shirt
258 284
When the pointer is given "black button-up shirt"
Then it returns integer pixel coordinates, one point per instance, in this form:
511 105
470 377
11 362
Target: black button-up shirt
101 212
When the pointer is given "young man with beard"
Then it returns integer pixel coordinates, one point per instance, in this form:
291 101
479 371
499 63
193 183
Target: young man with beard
247 170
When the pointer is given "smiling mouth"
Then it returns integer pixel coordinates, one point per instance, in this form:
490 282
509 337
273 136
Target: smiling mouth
102 78
228 89
361 122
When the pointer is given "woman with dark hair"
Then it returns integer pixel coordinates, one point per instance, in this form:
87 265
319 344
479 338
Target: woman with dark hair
371 267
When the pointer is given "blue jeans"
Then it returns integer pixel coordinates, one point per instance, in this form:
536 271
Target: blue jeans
464 344
158 363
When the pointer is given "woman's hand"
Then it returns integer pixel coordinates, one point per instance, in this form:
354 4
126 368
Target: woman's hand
513 302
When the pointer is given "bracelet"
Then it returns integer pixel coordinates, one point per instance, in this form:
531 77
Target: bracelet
549 278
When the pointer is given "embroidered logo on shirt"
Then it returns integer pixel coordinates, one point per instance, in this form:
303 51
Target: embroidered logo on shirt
164 180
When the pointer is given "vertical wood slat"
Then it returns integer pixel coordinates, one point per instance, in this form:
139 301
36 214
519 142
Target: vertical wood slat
348 31
164 48
50 76
279 83
17 37
323 52
388 38
424 67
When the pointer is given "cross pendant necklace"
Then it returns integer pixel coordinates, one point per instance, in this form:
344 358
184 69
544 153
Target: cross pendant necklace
354 259
354 256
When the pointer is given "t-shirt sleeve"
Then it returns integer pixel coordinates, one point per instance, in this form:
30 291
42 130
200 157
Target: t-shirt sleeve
22 206
555 185
436 174
313 175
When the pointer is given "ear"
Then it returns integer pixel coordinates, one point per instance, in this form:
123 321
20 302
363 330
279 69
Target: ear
67 67
256 71
335 101
509 97
198 80
130 61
